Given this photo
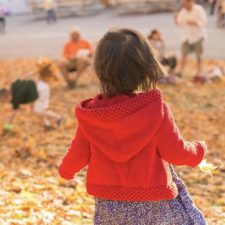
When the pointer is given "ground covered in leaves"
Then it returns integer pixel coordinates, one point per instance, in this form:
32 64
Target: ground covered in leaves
31 190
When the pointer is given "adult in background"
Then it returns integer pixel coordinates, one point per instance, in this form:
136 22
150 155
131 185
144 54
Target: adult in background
2 19
212 6
50 8
77 55
221 13
192 18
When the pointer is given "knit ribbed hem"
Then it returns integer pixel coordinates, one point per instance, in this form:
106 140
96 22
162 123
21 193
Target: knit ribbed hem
133 193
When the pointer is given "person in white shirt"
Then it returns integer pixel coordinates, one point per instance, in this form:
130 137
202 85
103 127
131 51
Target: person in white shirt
192 18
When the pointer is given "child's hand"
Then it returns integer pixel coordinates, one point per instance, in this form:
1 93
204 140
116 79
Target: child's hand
29 74
8 127
207 168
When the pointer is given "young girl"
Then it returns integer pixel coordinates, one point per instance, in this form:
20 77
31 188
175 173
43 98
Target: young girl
129 140
41 105
167 59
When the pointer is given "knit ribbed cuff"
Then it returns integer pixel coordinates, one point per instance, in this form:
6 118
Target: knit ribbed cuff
201 149
64 174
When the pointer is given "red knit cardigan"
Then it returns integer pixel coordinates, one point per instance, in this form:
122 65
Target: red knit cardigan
128 143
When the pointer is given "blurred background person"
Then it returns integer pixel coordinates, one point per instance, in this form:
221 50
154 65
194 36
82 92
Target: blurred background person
77 54
2 19
50 8
35 93
221 13
212 6
168 59
41 105
192 18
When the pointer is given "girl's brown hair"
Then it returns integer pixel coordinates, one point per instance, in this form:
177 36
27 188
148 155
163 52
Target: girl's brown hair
124 63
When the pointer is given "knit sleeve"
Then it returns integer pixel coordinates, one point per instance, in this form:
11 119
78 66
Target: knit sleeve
173 148
77 156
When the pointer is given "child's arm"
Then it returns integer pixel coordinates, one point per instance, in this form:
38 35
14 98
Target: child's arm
77 157
30 74
173 148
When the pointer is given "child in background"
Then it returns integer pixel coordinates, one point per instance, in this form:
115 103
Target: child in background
41 105
26 91
157 42
167 59
129 141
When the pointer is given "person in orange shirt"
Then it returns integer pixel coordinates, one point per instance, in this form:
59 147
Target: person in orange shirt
77 54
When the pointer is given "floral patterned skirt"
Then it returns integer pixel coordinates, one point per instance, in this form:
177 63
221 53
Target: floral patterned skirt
178 211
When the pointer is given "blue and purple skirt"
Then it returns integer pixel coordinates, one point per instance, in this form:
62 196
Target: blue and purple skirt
178 211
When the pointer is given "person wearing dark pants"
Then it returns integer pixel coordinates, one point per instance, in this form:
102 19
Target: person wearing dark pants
2 19
51 16
212 7
2 24
50 8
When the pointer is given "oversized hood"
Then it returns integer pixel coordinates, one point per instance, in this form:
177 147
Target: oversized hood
121 126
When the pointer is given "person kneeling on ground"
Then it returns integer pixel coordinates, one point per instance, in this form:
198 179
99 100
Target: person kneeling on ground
77 55
27 91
